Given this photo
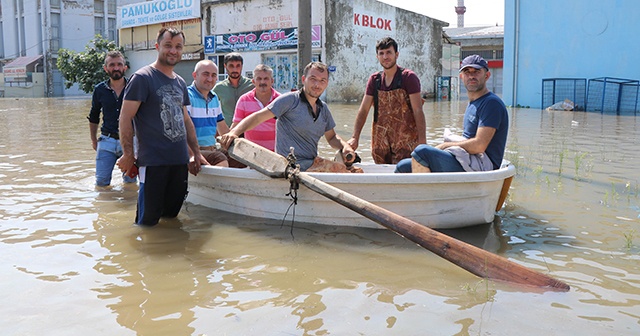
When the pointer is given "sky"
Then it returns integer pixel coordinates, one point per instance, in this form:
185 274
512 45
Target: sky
479 12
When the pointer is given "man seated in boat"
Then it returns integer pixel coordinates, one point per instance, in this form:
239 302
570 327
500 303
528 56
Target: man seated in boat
255 100
205 112
486 124
302 119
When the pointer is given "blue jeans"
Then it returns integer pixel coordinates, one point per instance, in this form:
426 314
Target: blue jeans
437 160
108 151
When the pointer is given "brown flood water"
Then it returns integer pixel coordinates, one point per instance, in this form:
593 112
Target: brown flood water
72 263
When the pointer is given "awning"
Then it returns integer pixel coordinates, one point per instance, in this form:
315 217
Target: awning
19 67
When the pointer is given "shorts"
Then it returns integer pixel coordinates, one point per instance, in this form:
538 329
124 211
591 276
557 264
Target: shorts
213 156
207 150
162 191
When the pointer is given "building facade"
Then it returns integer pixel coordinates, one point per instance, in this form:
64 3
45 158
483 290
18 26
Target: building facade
344 37
486 41
344 34
543 40
32 28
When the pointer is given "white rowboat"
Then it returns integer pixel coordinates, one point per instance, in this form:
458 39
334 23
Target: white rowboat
438 200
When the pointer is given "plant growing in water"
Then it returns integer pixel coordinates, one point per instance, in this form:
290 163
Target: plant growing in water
578 162
628 237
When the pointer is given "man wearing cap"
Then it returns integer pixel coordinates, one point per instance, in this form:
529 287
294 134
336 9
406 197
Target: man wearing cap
486 124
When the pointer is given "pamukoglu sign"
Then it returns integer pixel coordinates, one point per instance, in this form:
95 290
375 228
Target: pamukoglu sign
158 11
274 39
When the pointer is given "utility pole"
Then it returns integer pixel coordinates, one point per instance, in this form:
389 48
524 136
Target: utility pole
304 37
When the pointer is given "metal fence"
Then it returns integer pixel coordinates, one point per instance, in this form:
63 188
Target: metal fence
608 94
559 90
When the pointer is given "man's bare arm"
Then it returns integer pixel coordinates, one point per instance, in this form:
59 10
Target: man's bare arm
475 145
246 124
127 112
418 115
361 118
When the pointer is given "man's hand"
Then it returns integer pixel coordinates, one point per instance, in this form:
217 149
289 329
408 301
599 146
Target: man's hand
194 165
227 139
125 162
353 142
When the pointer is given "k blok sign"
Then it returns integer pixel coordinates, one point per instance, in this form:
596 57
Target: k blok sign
370 21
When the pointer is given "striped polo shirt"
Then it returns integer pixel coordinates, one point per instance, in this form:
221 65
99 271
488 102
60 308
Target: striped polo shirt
205 113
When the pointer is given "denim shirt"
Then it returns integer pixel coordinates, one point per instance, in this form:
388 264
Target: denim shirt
105 100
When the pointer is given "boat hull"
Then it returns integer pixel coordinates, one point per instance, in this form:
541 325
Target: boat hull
439 200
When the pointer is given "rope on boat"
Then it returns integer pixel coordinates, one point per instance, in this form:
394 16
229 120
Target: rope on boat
294 184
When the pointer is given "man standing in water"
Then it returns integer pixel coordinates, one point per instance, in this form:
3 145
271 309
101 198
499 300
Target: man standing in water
486 125
155 105
398 121
230 89
107 98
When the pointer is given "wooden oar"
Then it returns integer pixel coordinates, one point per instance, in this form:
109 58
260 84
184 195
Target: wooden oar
475 260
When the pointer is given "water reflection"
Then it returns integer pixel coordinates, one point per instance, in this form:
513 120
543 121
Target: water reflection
71 250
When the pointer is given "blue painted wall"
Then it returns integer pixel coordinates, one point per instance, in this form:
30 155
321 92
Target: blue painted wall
570 39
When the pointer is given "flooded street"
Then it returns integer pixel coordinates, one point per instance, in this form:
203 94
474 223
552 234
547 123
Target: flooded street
72 262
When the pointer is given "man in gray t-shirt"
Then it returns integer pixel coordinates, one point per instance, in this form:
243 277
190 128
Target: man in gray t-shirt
154 104
302 119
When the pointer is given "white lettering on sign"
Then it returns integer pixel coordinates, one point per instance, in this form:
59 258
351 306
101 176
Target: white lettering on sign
158 11
370 21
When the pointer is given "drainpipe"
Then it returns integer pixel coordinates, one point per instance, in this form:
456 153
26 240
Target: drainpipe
45 10
515 52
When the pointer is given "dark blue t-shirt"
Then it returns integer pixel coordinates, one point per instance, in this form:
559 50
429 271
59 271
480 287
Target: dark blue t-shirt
488 111
159 122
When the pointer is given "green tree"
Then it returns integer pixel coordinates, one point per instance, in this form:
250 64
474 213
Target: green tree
85 68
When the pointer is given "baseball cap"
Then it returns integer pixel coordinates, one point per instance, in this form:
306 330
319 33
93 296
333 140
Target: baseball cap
474 61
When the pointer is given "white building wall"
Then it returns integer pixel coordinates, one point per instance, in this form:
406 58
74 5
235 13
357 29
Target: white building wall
350 44
10 29
33 28
28 33
76 30
348 38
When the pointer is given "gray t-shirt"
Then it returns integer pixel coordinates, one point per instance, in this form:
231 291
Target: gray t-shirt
296 126
159 122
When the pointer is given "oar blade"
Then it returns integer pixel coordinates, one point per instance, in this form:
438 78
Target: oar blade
258 158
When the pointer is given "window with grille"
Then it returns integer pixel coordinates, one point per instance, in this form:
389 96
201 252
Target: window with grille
486 54
98 23
112 31
98 6
55 32
111 7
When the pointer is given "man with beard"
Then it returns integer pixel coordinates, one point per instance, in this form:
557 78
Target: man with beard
107 99
486 125
154 104
262 95
398 121
230 89
302 120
